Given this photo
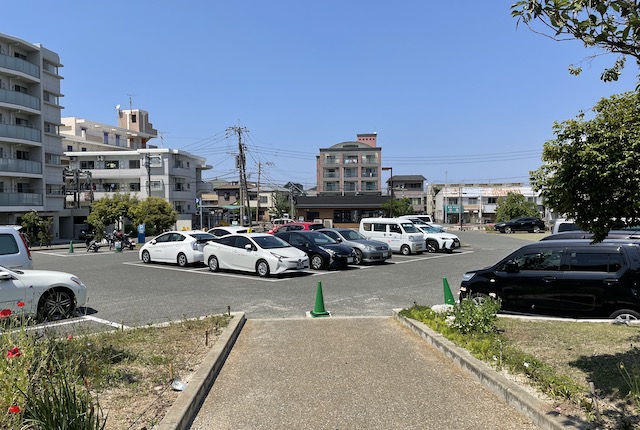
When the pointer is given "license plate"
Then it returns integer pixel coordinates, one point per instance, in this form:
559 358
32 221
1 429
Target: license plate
385 254
349 259
300 265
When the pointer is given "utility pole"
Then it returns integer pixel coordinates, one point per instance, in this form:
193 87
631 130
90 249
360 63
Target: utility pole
147 164
241 164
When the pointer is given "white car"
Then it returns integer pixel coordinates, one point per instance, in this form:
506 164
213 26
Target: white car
49 294
14 250
179 247
438 240
261 253
223 231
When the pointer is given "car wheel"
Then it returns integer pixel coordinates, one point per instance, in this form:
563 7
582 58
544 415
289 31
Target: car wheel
182 260
405 250
432 245
508 230
262 269
213 264
536 229
479 298
316 262
146 258
625 315
55 305
358 257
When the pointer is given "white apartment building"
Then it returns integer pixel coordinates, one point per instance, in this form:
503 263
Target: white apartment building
31 173
104 160
478 202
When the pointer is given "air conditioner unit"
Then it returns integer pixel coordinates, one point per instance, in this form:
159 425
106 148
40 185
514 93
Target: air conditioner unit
100 157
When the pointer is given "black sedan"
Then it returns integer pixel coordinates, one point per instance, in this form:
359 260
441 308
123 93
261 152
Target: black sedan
530 224
323 251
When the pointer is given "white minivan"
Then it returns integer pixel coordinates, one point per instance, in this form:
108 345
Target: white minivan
402 236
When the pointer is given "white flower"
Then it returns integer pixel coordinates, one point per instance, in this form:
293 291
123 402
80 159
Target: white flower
442 309
495 358
526 364
493 295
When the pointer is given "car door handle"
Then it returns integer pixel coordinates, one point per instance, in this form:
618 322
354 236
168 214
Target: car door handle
611 281
549 279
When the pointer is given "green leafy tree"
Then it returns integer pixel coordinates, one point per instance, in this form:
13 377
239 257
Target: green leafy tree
591 170
281 204
30 223
110 210
156 213
612 26
395 207
514 205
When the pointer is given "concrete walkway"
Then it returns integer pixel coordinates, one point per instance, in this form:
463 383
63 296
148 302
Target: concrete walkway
346 373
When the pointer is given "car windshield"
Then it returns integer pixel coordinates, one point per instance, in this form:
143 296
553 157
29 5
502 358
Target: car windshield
202 237
409 227
270 242
349 234
320 238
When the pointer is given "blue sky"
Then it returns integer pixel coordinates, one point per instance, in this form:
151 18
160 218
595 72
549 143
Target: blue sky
454 90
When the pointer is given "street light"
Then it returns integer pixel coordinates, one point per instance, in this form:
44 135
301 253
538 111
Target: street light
391 182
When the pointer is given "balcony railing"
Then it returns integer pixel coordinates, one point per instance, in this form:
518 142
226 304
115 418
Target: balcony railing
20 132
20 166
21 99
20 199
20 65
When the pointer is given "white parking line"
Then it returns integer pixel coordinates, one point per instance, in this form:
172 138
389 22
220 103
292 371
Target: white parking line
106 322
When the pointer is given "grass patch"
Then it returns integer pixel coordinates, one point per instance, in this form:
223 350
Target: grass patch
560 359
112 380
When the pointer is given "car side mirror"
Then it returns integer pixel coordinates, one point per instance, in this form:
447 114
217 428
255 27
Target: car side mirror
5 275
511 267
248 247
153 242
338 239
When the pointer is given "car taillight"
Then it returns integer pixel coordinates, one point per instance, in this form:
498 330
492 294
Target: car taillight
26 246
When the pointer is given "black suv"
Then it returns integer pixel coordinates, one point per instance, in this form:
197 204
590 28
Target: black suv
569 278
530 224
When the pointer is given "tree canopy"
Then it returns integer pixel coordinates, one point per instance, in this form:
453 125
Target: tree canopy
396 207
515 205
591 170
610 25
109 210
155 212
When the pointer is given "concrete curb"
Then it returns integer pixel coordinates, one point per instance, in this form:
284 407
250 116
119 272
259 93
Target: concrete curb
510 392
184 410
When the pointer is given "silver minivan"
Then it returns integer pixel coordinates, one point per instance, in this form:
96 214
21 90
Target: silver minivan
14 251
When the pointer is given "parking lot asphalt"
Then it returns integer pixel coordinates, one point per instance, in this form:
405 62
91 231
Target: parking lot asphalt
346 373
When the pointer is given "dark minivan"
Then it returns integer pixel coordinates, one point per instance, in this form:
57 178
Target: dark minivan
568 278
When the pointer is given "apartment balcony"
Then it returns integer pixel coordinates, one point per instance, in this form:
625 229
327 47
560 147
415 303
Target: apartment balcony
19 65
20 166
19 99
20 132
20 199
204 187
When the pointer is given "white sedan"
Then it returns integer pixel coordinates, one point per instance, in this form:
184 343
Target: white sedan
261 253
180 247
49 294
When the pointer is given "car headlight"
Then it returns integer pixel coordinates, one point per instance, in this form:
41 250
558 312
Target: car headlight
77 281
369 248
467 276
279 257
328 251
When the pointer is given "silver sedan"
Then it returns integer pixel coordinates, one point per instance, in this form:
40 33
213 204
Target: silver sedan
367 251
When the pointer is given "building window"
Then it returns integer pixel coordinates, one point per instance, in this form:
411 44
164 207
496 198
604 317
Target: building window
134 118
23 187
20 89
105 137
134 164
330 173
134 186
117 140
23 155
111 164
156 185
368 172
83 149
491 200
69 148
264 199
226 196
350 159
472 201
87 165
48 158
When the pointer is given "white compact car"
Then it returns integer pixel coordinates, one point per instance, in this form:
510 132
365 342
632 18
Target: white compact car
14 250
438 240
261 253
179 247
49 294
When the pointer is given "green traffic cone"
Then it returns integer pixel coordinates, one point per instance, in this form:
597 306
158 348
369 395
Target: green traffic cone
448 297
71 247
318 310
